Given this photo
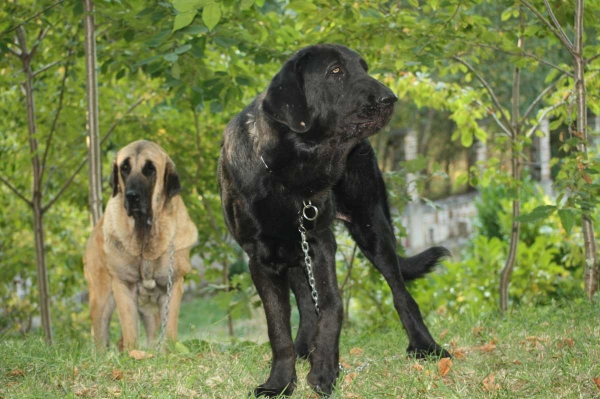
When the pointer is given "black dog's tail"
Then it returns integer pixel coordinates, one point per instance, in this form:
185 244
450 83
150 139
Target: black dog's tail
419 265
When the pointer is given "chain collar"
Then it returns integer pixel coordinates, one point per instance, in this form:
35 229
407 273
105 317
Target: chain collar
163 326
307 206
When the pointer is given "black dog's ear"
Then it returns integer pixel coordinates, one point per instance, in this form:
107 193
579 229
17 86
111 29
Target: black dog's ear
172 185
114 178
285 101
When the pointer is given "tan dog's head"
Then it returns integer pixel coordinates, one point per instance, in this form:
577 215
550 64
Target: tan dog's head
145 176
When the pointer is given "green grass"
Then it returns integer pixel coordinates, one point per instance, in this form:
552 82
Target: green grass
551 352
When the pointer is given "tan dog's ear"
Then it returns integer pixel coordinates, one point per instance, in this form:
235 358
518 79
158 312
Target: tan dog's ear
172 185
114 179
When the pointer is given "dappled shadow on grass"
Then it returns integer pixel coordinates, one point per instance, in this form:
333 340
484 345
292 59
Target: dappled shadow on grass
533 353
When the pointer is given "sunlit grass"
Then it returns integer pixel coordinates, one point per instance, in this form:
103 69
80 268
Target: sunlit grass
549 352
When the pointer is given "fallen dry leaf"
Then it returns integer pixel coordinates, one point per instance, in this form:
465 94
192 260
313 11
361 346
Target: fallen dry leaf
459 353
477 331
350 377
356 351
597 381
345 365
489 383
140 355
417 366
16 373
117 375
489 347
443 334
444 366
75 372
567 342
517 362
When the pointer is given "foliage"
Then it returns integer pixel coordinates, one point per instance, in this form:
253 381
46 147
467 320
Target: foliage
549 264
188 66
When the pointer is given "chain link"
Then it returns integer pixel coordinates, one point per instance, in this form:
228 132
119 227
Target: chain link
163 325
307 259
365 365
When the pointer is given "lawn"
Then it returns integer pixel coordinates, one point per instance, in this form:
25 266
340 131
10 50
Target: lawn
550 352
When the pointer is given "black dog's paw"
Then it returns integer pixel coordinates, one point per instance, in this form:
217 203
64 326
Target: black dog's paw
425 352
263 391
322 378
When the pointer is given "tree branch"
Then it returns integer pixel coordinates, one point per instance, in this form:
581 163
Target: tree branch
529 55
541 118
589 60
41 36
45 68
84 161
32 17
17 53
56 116
559 28
117 121
563 39
539 98
488 88
444 26
498 121
14 190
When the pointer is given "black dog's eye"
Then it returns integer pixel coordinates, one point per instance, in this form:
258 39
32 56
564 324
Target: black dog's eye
336 70
148 169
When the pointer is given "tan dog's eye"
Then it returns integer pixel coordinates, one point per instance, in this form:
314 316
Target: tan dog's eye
148 169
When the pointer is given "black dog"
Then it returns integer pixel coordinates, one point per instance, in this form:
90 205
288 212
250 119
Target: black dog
305 140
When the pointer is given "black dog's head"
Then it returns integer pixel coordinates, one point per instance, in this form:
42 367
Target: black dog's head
328 85
145 176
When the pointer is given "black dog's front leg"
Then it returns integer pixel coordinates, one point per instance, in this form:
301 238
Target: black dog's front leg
324 348
306 308
274 291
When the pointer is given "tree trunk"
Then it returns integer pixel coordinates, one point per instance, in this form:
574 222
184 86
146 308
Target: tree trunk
506 271
38 214
591 259
94 154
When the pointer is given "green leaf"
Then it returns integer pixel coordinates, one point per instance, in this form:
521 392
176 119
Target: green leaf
188 5
567 218
246 4
181 348
129 35
183 19
539 213
211 15
171 57
183 49
466 138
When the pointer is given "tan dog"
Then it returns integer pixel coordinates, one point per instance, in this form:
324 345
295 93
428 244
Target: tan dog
126 262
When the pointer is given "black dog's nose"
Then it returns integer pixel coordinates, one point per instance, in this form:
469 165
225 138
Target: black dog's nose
387 98
132 196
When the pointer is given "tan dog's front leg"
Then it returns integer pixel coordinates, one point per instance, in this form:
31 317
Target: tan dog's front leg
176 294
126 299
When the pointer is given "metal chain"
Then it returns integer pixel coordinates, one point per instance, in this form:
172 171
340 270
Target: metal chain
163 325
307 259
306 206
365 365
